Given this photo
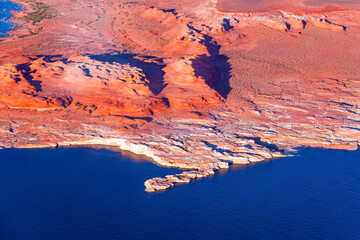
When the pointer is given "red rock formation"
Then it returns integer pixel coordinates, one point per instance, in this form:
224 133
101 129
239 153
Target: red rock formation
196 85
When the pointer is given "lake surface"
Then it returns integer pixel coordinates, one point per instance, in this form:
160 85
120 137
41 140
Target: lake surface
83 193
5 15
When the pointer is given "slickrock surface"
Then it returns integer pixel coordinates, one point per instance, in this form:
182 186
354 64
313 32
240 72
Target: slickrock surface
196 85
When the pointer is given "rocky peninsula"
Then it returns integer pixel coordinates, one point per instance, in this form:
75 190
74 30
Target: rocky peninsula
196 85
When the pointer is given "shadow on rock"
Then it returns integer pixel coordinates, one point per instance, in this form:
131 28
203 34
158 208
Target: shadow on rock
152 70
27 74
215 69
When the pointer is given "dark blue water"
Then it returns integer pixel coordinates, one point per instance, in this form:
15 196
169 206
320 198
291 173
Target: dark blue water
5 15
82 193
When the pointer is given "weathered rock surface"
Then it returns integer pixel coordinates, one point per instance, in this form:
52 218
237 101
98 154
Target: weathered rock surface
196 85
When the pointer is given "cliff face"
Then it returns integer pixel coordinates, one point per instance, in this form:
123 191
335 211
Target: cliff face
196 85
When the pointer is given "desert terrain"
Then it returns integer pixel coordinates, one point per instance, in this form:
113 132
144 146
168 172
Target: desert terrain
196 85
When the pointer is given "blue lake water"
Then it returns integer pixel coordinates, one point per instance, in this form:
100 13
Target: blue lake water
5 15
83 193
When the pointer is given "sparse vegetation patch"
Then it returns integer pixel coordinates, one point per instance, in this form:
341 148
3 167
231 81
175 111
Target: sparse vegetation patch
41 12
86 108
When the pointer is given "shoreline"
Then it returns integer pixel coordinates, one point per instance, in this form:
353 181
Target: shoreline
177 179
15 18
158 184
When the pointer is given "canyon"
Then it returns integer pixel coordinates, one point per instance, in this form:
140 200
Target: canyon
196 85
